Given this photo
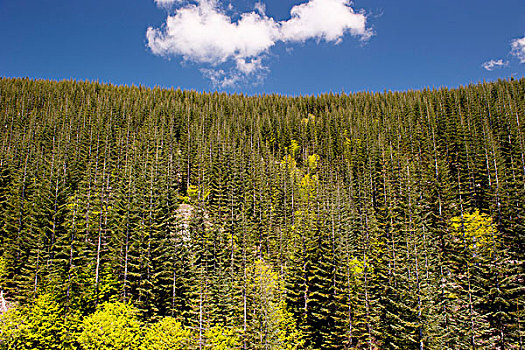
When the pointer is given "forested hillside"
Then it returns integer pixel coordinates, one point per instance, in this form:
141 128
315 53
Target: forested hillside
362 221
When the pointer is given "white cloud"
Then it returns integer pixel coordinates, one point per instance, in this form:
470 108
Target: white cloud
324 19
255 65
234 77
518 49
490 65
200 32
219 78
167 3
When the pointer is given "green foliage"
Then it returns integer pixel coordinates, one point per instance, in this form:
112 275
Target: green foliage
294 148
356 266
476 229
3 272
313 162
309 119
166 334
222 338
43 325
271 325
193 192
308 187
113 326
289 163
290 336
12 328
334 231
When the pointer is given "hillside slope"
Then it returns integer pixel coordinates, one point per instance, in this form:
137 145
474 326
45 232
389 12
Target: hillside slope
388 221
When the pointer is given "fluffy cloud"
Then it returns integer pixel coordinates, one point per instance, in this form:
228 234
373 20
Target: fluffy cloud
490 65
324 19
518 49
201 32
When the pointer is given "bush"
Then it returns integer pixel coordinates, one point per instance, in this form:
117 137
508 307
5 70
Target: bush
42 325
167 334
222 338
12 325
114 327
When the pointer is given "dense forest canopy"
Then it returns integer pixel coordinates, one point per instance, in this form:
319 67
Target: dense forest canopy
361 221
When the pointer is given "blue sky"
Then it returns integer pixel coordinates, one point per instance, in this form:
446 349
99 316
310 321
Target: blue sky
259 47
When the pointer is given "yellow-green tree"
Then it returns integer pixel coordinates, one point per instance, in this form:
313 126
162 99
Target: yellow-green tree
271 326
115 326
41 325
12 326
166 334
476 230
221 338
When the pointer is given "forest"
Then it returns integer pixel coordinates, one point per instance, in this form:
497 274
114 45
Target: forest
150 218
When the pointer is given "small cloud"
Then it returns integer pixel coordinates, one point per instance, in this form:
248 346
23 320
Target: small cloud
245 67
518 49
492 64
201 32
324 19
219 78
167 3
